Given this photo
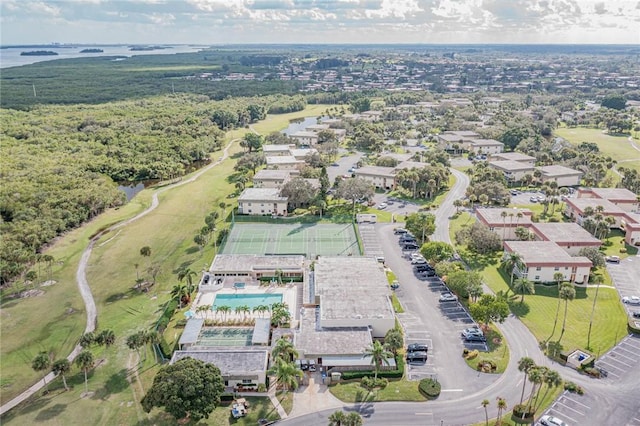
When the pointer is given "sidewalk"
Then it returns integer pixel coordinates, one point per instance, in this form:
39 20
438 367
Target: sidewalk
272 397
313 397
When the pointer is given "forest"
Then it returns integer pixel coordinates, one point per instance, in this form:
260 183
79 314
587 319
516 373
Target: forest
60 164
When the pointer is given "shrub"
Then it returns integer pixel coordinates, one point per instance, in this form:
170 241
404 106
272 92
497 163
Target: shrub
519 410
465 352
593 372
171 307
486 366
623 250
474 353
572 387
262 387
371 383
429 388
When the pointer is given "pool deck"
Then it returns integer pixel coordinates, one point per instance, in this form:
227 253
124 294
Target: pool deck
289 296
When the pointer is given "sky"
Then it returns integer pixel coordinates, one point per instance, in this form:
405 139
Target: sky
210 22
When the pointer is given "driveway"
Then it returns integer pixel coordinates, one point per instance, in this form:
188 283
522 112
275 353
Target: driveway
343 165
625 277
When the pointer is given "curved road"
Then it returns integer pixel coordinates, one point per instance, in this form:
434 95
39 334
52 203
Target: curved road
83 284
467 409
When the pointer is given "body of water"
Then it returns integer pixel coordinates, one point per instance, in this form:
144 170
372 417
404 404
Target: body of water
251 300
10 56
299 125
131 190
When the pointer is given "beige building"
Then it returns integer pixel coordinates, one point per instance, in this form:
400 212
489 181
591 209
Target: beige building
504 222
267 178
284 162
262 201
562 176
571 237
621 197
353 292
305 138
255 266
486 146
457 141
514 156
541 260
277 150
380 177
513 171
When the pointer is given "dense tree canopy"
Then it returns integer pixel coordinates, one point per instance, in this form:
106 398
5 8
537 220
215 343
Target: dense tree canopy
189 387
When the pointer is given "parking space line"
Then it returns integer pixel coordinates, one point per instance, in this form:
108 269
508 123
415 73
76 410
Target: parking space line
623 356
625 343
616 361
562 414
627 350
608 364
573 400
571 408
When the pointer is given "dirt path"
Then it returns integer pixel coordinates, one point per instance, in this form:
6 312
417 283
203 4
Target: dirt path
83 284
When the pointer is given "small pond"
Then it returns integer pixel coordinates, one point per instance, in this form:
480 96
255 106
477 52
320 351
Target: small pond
299 125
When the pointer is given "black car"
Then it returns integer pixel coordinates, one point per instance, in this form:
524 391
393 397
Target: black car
636 314
410 246
415 347
407 237
417 356
475 338
399 231
423 267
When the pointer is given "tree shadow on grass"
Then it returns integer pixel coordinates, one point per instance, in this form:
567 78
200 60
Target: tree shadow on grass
480 261
116 383
192 250
363 403
51 412
518 309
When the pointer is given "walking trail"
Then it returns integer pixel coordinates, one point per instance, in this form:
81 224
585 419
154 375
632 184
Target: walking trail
83 284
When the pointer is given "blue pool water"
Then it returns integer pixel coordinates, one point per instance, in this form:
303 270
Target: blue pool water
251 300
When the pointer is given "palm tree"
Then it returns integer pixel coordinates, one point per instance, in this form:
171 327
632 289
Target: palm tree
284 349
504 226
524 365
337 418
512 261
85 361
203 309
136 341
41 362
523 285
187 274
598 279
224 311
502 406
87 339
287 374
106 337
552 379
567 293
485 403
60 368
245 309
379 354
353 419
261 309
558 278
179 292
535 376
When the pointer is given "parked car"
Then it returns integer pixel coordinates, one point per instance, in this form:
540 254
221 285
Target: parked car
415 347
382 206
422 268
418 356
416 256
448 297
475 338
635 314
419 261
631 300
410 246
466 333
335 164
612 259
407 237
395 284
312 365
304 364
399 231
551 421
351 170
533 199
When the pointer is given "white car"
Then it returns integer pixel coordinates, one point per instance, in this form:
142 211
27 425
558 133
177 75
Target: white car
551 421
382 206
418 261
631 300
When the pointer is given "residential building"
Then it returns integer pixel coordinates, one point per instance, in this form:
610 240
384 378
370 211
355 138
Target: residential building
513 171
456 141
301 153
562 176
514 156
575 209
256 267
267 178
284 162
621 197
262 201
571 237
541 260
486 146
305 138
277 150
504 222
380 177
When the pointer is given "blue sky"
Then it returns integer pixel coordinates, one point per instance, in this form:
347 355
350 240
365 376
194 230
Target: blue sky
319 21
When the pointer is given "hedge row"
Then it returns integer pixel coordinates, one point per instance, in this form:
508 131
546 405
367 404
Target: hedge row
389 374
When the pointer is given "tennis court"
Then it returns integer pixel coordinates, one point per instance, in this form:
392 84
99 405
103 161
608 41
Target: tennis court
225 337
306 239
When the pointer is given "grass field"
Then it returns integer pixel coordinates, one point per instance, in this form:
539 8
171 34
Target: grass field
618 147
539 309
55 320
399 390
300 238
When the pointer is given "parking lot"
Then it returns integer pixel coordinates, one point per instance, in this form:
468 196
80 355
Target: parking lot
621 359
572 408
625 276
370 242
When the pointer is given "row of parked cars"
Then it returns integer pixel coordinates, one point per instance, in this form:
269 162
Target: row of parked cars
407 241
417 352
306 364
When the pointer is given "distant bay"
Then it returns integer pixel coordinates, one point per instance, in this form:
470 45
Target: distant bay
10 55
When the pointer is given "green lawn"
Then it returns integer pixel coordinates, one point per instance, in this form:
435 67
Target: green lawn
539 309
618 147
400 390
54 321
498 352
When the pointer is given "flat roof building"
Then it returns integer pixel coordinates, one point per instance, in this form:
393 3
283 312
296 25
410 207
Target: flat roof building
562 176
571 237
514 156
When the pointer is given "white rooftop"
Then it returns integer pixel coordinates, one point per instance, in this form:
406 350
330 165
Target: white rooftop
261 194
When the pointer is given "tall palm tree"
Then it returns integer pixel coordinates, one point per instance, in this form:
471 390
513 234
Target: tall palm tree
502 406
284 349
567 293
379 355
187 275
85 361
524 365
179 292
42 362
287 374
60 368
485 403
87 339
504 225
551 379
224 311
511 261
598 279
246 310
106 337
523 285
203 309
536 375
558 277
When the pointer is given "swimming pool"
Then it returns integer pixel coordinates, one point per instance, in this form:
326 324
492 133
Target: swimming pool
250 300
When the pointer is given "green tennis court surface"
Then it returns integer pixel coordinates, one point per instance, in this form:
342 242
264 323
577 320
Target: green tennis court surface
225 337
305 239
